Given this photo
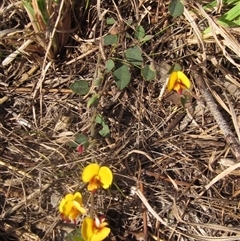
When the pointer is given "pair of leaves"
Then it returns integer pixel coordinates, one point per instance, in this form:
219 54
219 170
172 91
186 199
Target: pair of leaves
140 34
133 56
122 73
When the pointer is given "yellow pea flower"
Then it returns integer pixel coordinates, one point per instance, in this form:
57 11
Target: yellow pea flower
94 229
71 206
178 81
97 177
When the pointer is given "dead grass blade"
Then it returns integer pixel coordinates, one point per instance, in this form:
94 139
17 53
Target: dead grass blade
229 39
14 169
222 175
196 31
13 55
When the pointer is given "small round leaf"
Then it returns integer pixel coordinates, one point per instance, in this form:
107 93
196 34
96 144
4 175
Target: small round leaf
110 39
140 32
148 73
110 21
134 56
109 65
122 76
176 8
80 87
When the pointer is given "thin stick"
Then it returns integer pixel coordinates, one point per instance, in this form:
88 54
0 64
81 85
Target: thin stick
223 125
29 90
144 214
28 199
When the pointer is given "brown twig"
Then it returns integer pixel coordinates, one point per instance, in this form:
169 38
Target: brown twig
161 177
29 90
223 125
145 227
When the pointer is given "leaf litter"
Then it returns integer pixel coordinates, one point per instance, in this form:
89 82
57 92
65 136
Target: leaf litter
176 179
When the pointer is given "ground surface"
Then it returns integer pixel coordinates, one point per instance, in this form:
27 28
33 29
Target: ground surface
170 153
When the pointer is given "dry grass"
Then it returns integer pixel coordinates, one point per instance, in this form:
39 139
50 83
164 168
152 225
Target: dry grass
170 155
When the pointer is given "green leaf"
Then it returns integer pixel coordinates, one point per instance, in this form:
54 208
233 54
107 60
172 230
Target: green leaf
93 101
110 39
231 18
140 32
97 82
129 21
175 67
176 8
109 65
134 56
147 38
43 8
30 10
213 4
80 139
80 87
122 75
75 235
105 131
110 21
148 73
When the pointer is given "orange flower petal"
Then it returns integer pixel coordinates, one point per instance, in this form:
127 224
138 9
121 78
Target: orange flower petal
106 177
172 80
90 172
64 201
94 184
67 208
71 206
61 205
178 81
103 224
101 234
177 87
87 229
69 197
91 233
73 214
79 207
184 79
78 197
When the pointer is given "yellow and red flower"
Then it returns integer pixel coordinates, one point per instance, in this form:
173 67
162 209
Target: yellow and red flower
94 229
178 81
71 206
97 176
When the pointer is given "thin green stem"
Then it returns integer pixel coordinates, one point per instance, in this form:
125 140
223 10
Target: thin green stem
92 205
